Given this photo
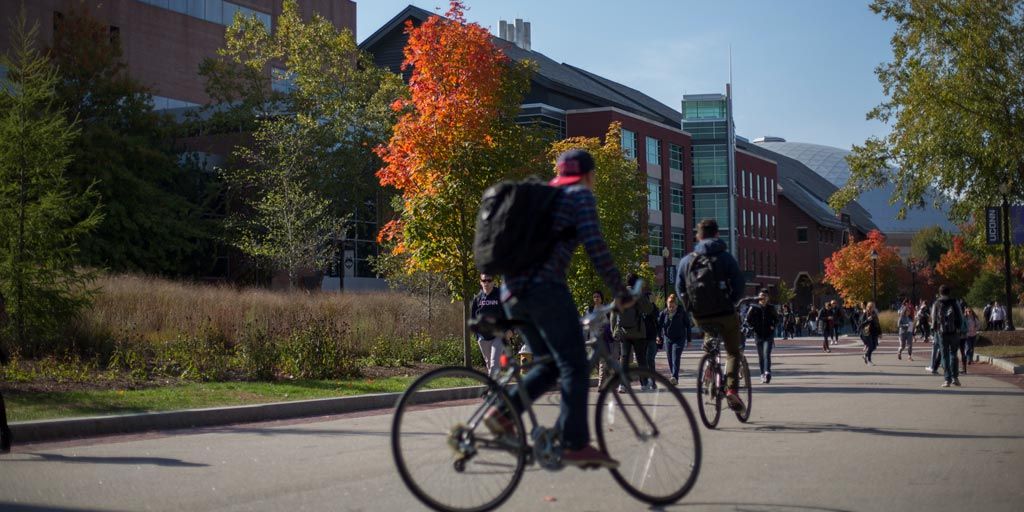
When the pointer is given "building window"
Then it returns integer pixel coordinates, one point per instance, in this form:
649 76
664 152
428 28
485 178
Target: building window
714 109
775 233
771 189
712 206
677 199
710 166
654 241
214 11
654 195
678 242
801 234
743 222
708 130
629 144
653 151
675 157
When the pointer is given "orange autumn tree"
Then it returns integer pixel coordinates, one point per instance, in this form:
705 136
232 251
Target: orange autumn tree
959 266
849 270
456 135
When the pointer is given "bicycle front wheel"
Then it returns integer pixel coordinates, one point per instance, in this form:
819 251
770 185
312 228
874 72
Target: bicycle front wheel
653 435
745 390
709 395
447 457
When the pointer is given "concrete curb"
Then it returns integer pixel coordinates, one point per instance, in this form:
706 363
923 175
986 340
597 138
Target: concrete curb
1002 364
95 426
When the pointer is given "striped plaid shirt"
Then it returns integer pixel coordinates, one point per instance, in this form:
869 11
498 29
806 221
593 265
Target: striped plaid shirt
576 208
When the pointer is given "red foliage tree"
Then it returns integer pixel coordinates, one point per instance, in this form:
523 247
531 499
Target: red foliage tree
959 266
849 270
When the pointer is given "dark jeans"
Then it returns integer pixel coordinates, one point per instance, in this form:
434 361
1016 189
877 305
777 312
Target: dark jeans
728 327
968 349
871 342
652 352
631 348
764 354
948 345
553 327
674 352
936 352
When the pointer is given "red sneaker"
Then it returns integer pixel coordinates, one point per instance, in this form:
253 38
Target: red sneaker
588 457
735 403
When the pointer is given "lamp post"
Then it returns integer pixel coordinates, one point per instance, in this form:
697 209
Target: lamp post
667 254
1004 189
913 266
874 277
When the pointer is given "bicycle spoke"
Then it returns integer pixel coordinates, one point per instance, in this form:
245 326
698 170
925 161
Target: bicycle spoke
445 457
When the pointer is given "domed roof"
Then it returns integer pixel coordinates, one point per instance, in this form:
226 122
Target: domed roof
830 163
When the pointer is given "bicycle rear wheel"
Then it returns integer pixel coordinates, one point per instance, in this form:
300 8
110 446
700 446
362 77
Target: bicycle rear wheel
709 396
745 390
654 437
444 453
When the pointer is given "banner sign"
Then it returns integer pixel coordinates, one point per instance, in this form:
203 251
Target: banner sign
1017 225
993 226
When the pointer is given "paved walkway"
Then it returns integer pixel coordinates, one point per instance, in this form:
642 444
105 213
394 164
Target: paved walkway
828 434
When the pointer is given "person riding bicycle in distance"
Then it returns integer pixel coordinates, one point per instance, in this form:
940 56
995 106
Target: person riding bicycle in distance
710 284
539 298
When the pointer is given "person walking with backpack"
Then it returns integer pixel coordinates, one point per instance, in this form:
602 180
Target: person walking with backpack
812 321
710 284
487 303
604 371
997 317
825 320
629 329
946 321
538 296
870 330
674 333
761 317
651 331
986 315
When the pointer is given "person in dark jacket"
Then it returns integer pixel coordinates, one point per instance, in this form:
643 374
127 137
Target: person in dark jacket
725 323
488 303
674 332
762 318
944 309
629 329
870 330
5 430
826 319
651 331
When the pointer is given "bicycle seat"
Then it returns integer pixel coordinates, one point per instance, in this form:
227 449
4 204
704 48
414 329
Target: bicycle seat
490 326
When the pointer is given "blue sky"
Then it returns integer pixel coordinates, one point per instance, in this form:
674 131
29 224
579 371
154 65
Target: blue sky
802 69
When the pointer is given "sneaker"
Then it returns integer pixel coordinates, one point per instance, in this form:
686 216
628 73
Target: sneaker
735 403
865 358
762 378
911 358
929 369
899 355
768 378
622 389
964 370
499 423
956 382
674 381
870 363
945 384
588 457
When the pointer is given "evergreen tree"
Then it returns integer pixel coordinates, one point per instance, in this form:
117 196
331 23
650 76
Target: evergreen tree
153 213
42 216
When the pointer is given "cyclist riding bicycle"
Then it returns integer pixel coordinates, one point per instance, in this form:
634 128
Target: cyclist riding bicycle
539 300
710 284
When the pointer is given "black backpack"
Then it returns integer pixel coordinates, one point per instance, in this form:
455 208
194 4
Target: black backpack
947 318
707 290
514 226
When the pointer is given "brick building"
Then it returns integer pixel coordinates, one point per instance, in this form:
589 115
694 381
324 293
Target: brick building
163 41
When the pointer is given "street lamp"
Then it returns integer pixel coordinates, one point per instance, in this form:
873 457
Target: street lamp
1004 189
874 277
667 254
913 266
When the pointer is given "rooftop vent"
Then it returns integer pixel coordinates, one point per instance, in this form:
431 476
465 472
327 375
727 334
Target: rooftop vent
518 32
768 138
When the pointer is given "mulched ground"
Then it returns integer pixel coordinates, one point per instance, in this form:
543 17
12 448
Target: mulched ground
103 380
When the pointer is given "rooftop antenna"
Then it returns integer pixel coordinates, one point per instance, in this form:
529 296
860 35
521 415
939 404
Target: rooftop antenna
730 63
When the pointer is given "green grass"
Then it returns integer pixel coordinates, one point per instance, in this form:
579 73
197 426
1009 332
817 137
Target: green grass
1010 352
25 406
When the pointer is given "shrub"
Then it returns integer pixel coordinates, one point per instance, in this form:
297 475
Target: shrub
257 354
889 321
317 352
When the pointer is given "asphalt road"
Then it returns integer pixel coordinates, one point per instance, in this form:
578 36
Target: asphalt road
828 434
